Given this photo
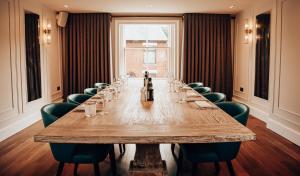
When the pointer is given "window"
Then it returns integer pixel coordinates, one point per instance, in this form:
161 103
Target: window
146 47
150 56
150 45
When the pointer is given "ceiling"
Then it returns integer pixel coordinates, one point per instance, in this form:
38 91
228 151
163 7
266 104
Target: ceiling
151 6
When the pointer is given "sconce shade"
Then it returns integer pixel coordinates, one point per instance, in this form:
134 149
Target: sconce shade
247 31
47 32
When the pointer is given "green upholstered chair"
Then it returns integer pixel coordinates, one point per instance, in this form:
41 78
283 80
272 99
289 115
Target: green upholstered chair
78 98
75 153
101 85
215 97
90 91
202 90
195 84
216 152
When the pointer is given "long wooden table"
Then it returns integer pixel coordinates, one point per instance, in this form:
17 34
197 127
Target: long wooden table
147 124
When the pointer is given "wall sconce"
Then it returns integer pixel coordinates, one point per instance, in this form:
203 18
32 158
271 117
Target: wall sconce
248 31
47 32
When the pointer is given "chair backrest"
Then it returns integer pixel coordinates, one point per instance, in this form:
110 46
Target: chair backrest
240 112
90 91
101 85
50 113
195 84
215 97
78 98
202 90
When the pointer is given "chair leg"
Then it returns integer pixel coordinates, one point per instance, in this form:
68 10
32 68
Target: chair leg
96 169
124 149
60 168
230 168
179 163
120 148
113 161
217 166
173 149
75 169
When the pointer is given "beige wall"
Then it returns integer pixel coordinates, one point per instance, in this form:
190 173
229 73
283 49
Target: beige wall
281 112
54 60
15 112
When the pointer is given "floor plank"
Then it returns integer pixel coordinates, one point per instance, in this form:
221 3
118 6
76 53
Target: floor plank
270 154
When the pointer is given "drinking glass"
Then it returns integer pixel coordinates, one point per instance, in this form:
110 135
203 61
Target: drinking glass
108 94
101 104
99 90
90 108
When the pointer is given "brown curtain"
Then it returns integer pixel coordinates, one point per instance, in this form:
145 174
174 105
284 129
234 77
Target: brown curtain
86 51
262 56
33 61
207 51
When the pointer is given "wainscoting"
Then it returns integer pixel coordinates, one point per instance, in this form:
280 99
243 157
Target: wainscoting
281 111
15 112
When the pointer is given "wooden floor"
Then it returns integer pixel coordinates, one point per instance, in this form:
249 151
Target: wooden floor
269 155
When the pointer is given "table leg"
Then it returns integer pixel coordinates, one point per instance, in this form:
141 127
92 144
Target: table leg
147 161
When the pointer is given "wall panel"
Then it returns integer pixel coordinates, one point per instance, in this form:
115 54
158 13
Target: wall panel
8 93
15 112
289 84
281 112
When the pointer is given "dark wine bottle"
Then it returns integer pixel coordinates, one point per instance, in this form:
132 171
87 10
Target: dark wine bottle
146 78
150 91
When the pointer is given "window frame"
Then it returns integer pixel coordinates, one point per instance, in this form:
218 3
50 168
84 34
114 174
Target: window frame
118 63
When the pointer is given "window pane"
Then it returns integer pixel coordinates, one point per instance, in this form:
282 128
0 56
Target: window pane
149 56
145 47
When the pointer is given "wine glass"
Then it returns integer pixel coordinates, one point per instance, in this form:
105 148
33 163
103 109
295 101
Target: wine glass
101 104
113 91
182 94
106 93
171 82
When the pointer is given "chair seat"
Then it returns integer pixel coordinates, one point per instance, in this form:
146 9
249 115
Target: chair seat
101 85
195 84
91 153
202 90
199 152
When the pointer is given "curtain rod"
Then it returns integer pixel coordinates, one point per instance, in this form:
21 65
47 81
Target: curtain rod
152 16
147 16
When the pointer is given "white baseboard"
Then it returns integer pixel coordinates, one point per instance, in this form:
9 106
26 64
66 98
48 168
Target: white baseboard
256 112
19 125
285 131
277 127
56 97
261 115
59 100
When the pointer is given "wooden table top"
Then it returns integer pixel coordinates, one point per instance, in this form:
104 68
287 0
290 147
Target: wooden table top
161 121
